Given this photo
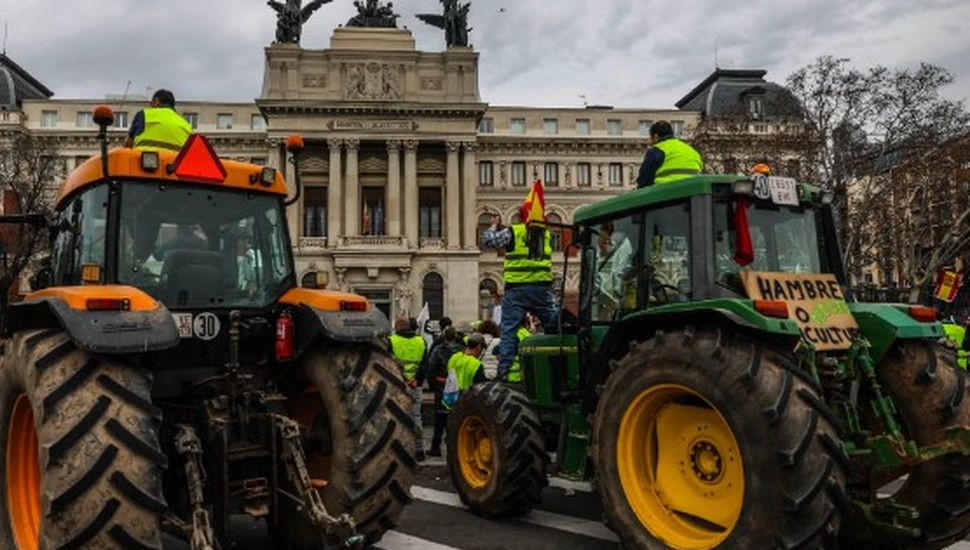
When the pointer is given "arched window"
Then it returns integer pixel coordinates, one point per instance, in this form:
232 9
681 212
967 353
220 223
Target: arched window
433 294
488 297
309 280
556 232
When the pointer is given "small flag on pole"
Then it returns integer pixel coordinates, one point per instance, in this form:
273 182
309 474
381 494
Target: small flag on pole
948 285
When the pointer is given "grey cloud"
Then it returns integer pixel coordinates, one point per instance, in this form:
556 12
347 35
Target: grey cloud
536 52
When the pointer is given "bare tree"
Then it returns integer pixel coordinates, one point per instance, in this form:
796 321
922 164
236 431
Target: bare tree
29 173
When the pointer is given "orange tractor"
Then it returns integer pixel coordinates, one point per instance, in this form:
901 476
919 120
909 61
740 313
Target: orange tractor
169 373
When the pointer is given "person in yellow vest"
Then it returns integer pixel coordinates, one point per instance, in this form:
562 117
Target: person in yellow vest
958 335
668 159
159 127
466 368
409 348
525 330
528 283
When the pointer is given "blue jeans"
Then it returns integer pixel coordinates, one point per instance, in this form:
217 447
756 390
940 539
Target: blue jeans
519 300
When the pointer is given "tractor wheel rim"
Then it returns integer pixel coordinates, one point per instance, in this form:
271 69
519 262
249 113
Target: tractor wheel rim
475 453
23 476
680 467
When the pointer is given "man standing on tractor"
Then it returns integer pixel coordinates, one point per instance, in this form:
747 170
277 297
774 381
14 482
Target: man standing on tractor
409 348
528 279
668 159
525 330
159 127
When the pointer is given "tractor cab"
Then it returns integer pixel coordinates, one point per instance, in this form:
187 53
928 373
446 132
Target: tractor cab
189 229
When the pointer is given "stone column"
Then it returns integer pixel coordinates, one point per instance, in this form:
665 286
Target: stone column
411 192
334 194
352 200
469 197
453 196
294 212
393 207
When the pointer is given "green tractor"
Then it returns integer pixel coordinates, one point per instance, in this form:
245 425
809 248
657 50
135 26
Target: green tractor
721 390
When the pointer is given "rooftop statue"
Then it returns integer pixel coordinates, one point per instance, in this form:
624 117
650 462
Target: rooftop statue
373 14
291 16
454 21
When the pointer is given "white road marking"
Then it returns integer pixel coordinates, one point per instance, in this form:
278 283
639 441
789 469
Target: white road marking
541 518
963 545
394 540
578 486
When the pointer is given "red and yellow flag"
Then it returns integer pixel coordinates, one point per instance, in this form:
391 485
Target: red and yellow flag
948 285
534 207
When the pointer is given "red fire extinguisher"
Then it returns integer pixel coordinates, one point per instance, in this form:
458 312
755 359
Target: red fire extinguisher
284 336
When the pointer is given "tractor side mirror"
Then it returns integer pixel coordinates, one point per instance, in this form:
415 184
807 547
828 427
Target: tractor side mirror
44 278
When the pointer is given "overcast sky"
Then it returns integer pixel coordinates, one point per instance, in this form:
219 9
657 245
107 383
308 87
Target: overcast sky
642 53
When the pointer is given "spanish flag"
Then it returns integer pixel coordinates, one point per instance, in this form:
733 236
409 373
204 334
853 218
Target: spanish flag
534 207
534 215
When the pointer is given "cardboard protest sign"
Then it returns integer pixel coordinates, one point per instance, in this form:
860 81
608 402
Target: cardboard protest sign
815 302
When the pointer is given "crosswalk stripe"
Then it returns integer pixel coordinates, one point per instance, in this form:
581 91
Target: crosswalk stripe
541 518
395 540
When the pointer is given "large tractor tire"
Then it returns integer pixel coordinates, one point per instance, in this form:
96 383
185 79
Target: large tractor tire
931 394
81 463
495 451
358 439
706 439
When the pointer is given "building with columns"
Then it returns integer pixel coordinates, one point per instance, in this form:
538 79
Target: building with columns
404 164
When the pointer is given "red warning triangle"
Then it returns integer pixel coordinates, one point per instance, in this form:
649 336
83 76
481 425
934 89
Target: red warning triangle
198 161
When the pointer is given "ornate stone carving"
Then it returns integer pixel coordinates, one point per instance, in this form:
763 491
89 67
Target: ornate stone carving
453 146
469 146
503 172
352 144
393 145
335 144
342 284
403 293
314 81
431 83
373 81
290 17
372 14
410 145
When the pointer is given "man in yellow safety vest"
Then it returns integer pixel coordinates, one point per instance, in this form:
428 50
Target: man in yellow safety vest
668 159
466 367
409 348
159 127
957 333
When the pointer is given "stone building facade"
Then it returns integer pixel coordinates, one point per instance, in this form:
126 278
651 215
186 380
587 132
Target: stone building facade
405 162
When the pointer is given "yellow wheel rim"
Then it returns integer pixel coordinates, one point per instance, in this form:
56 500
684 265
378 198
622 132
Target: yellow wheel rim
680 467
23 476
475 453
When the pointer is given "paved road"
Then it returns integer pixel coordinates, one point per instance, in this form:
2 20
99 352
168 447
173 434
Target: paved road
569 518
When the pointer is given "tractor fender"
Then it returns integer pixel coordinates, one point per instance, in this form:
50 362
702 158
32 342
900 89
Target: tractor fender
335 316
883 324
644 325
143 325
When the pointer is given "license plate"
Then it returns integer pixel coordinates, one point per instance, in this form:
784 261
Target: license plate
783 191
183 322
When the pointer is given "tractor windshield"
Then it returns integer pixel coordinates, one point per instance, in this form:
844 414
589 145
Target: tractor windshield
193 247
782 239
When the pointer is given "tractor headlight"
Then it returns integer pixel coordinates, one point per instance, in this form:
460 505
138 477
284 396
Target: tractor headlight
149 161
267 177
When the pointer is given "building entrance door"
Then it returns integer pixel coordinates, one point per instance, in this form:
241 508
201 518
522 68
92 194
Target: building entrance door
381 298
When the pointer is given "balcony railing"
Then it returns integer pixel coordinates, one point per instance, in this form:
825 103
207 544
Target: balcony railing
313 243
373 241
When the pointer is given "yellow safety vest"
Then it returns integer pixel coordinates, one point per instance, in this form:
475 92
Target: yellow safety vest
681 161
519 267
958 335
465 368
165 130
515 371
410 352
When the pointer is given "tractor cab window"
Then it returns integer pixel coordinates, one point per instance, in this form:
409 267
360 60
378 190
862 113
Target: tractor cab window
667 276
783 239
190 247
612 259
80 241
